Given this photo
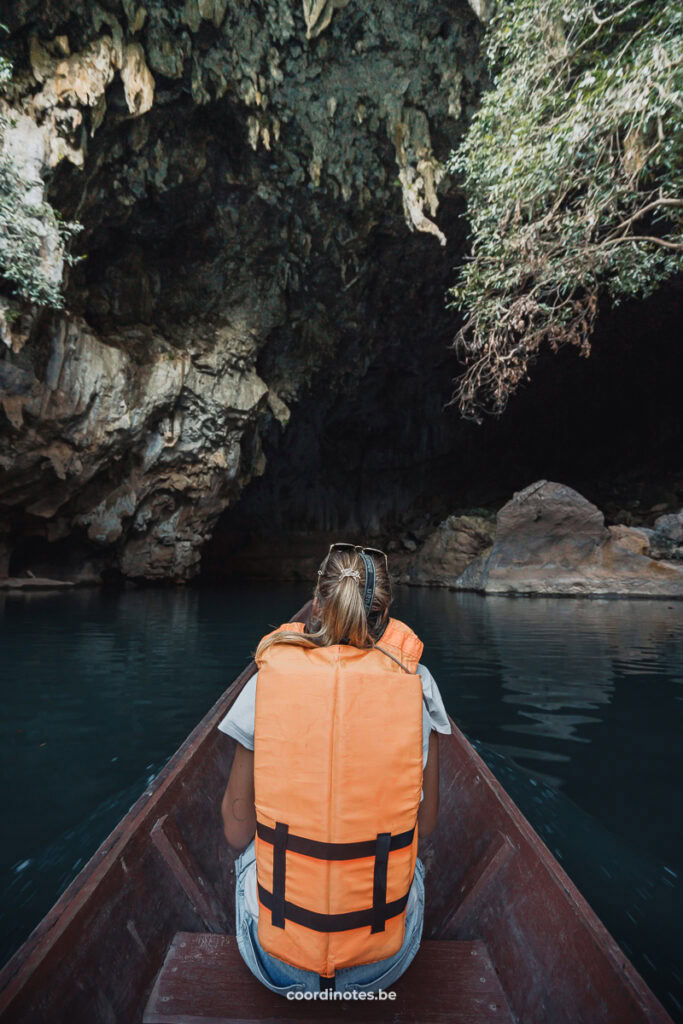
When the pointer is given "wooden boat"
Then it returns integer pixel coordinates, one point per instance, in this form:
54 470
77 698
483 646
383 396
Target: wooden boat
144 931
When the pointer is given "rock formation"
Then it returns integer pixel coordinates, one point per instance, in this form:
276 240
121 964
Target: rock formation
551 540
666 539
237 169
446 552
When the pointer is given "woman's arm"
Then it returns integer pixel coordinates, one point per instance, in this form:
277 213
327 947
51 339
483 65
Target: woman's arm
237 809
429 807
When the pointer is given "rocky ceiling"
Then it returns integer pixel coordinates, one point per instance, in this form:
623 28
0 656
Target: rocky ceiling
265 217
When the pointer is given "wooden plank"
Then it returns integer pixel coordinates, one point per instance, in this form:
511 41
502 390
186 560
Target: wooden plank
182 865
557 962
476 885
204 981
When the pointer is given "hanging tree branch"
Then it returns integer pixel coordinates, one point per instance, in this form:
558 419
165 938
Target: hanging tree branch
576 149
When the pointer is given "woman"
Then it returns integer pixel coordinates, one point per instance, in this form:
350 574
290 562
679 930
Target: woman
336 770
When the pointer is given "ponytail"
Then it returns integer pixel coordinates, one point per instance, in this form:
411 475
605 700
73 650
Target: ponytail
341 616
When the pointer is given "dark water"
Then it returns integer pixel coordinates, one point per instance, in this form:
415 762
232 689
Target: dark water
575 705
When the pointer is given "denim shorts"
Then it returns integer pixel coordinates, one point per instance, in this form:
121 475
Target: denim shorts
282 978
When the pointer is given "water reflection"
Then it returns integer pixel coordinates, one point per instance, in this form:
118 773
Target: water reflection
554 663
560 664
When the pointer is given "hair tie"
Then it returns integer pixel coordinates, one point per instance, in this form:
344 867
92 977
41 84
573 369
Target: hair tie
350 572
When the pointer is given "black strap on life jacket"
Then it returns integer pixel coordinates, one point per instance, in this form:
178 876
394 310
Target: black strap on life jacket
376 916
379 882
331 851
279 869
332 922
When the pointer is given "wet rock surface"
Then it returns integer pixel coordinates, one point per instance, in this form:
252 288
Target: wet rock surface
446 552
666 538
551 540
138 456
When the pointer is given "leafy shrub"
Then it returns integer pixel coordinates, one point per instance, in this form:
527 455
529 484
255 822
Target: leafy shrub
572 169
26 229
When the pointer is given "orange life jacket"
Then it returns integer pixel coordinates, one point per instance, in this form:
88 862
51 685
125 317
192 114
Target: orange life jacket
338 777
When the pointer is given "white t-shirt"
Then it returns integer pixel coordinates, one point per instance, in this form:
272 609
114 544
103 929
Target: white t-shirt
239 723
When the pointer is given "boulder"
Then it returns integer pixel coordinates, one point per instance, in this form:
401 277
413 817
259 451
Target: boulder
551 540
666 539
448 550
670 527
635 539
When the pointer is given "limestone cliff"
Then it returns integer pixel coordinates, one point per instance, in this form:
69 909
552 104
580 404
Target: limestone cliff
243 173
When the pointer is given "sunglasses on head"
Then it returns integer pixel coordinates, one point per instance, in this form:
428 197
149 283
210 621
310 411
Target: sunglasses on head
341 546
368 562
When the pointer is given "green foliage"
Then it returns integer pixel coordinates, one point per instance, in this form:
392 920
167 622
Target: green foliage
573 169
28 230
5 65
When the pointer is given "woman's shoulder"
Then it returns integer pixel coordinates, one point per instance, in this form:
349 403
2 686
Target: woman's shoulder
433 701
239 721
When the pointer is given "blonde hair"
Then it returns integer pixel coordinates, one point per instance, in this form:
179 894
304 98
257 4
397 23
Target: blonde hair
339 612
